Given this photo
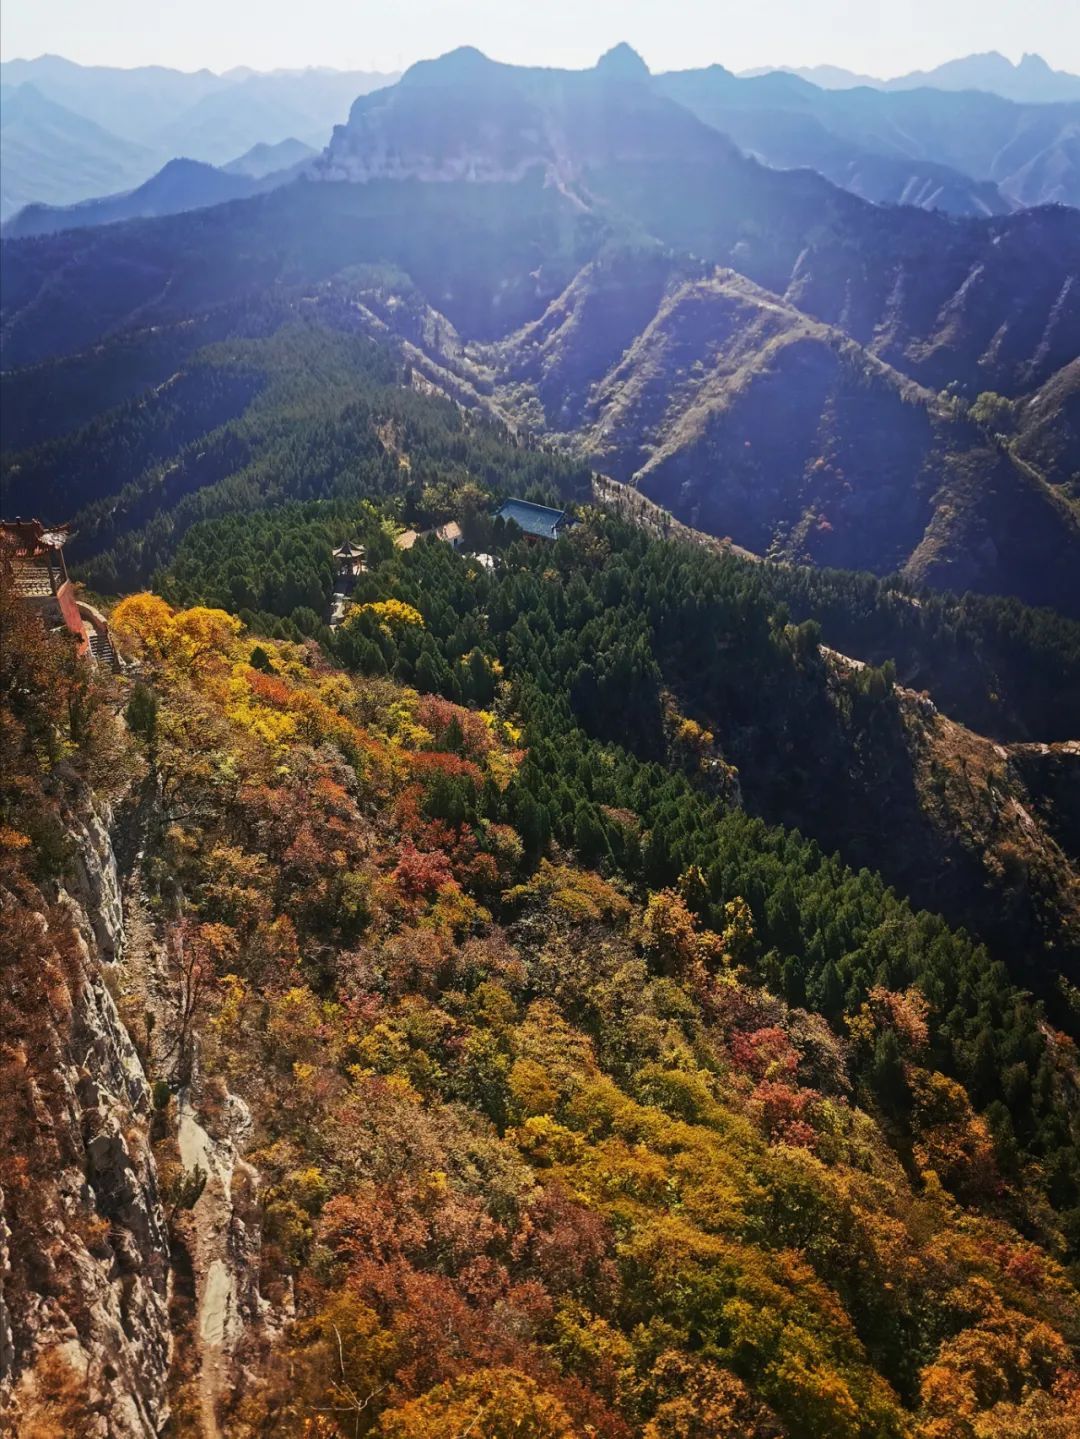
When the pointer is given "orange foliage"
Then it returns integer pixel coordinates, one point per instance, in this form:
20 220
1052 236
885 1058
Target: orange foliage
668 933
489 1403
783 1112
765 1053
418 874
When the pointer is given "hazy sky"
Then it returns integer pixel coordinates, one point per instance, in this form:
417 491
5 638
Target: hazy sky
882 37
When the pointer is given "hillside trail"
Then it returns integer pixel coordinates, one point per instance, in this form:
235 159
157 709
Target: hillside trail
219 1231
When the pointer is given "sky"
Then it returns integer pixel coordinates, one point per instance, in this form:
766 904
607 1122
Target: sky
878 37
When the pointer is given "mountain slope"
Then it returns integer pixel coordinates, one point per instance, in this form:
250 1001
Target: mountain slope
928 294
52 155
802 1153
506 119
231 121
199 114
1048 428
181 185
980 304
788 124
262 160
580 994
124 100
987 305
491 256
967 152
745 418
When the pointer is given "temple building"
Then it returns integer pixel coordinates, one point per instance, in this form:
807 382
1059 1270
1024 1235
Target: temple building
34 555
538 522
349 559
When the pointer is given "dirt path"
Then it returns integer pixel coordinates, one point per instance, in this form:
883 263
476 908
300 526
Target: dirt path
219 1323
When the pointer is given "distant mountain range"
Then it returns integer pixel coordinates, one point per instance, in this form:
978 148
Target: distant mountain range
964 151
967 153
179 185
1030 80
49 154
579 254
72 132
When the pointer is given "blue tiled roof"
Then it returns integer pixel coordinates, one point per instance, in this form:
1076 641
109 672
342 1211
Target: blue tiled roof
536 520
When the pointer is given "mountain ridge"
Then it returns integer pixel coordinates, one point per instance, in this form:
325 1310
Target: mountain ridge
179 186
745 417
41 139
1030 78
966 153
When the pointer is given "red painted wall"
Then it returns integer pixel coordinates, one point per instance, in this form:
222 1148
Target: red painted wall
65 598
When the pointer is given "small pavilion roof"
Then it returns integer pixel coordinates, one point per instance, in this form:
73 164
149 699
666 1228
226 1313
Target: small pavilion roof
28 539
350 550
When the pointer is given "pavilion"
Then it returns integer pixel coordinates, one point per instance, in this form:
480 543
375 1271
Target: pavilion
349 559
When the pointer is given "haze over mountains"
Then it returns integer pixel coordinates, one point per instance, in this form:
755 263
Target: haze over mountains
966 152
179 185
71 132
1030 79
947 140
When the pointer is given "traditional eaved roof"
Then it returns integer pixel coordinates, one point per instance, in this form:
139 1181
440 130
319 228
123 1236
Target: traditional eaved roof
450 532
539 520
27 539
32 553
350 550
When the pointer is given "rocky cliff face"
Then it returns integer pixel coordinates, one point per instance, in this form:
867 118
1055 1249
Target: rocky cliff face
465 117
221 1234
84 1332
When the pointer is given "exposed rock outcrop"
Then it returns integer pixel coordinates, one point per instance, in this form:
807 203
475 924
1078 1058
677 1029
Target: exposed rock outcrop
507 119
84 1333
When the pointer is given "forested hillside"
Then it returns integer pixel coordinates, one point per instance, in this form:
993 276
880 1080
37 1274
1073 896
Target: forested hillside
540 1124
308 412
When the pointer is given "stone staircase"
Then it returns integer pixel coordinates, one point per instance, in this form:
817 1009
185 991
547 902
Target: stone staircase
102 651
33 580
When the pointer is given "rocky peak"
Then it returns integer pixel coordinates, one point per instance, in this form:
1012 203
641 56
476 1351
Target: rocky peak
464 65
622 62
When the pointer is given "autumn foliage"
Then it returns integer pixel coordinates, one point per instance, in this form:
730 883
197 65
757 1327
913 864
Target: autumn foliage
542 1153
